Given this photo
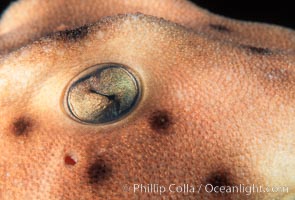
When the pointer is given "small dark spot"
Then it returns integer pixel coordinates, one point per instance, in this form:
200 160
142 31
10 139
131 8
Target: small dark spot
219 178
99 171
160 120
220 28
257 50
70 160
22 126
73 35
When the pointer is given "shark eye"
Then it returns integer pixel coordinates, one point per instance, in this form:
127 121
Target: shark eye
102 94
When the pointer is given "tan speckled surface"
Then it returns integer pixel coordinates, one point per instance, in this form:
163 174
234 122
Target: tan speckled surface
227 98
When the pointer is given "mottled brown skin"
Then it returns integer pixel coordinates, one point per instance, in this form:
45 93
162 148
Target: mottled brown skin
217 103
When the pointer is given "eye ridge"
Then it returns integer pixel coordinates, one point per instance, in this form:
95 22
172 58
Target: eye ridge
102 94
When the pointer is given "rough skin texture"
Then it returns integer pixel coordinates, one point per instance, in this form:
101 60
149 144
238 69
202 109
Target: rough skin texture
217 103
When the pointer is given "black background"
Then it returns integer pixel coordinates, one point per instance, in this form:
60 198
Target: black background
275 12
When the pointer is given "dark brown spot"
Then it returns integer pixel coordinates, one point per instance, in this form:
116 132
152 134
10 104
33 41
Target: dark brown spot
220 28
69 160
99 171
73 35
257 50
160 120
219 178
22 126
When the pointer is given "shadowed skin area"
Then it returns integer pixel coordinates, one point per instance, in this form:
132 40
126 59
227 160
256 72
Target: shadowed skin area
217 101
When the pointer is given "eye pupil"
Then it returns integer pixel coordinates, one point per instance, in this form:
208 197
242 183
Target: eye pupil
102 94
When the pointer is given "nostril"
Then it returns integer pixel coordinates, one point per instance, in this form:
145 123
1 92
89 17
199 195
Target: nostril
70 160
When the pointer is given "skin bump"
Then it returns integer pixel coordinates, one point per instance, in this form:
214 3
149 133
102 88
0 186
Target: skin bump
99 172
281 75
22 126
160 120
